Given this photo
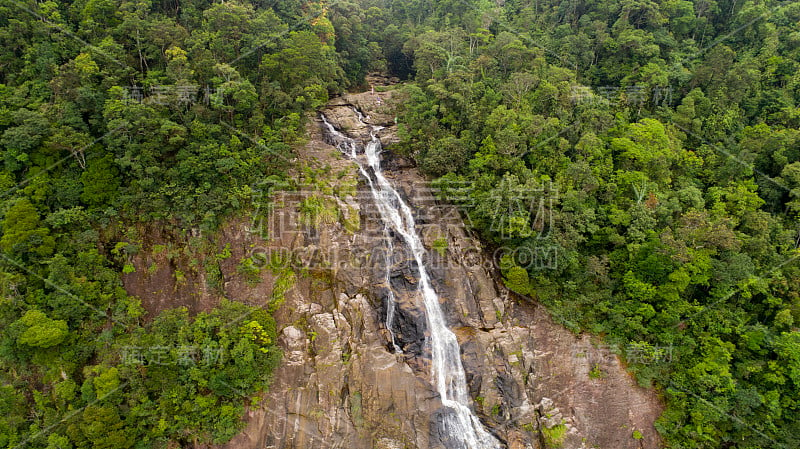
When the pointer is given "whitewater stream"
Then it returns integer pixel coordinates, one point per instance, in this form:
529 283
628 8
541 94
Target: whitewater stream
460 425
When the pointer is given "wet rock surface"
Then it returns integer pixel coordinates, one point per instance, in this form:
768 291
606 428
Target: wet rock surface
342 385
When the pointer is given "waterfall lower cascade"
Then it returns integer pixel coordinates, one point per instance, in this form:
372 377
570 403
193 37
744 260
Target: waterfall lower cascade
390 300
460 425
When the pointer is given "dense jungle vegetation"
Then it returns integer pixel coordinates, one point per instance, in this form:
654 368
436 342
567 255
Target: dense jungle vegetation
650 149
115 114
665 197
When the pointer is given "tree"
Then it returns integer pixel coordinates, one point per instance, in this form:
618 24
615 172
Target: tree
516 279
437 54
445 155
101 182
302 62
239 94
518 86
22 140
23 234
102 427
37 330
649 146
791 175
65 138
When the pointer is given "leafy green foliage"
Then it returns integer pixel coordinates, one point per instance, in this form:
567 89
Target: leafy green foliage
198 373
554 436
37 330
652 149
668 197
119 115
178 379
23 234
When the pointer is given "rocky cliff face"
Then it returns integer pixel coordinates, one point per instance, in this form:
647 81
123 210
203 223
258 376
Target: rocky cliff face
342 384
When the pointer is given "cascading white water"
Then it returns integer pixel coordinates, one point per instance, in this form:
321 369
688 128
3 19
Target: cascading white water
390 302
460 425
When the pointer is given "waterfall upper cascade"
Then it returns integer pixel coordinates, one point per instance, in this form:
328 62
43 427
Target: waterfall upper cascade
462 428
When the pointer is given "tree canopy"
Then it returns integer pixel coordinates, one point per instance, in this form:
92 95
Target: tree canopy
637 164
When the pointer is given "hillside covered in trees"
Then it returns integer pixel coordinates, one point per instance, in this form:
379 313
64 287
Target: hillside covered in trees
643 160
115 115
636 164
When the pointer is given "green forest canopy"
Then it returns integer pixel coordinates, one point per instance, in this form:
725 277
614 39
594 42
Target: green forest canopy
654 145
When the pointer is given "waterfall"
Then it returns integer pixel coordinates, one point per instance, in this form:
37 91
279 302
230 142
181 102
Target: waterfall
462 428
390 302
